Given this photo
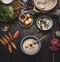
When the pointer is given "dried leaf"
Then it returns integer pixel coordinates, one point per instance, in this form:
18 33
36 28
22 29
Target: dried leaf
2 42
16 34
10 35
7 37
9 48
5 40
13 45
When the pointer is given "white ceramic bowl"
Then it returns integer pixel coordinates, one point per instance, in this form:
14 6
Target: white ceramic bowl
30 37
48 5
47 18
7 1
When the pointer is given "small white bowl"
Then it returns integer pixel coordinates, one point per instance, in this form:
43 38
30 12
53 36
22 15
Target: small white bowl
7 1
38 22
2 27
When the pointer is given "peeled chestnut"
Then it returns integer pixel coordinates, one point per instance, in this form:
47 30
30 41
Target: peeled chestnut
26 23
28 15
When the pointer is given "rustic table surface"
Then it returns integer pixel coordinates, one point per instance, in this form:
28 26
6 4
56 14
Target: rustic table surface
45 55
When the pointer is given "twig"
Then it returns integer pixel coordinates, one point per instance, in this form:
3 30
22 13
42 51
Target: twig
53 32
45 36
53 57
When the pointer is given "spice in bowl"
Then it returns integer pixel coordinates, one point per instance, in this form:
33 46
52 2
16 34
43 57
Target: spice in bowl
5 27
17 5
29 5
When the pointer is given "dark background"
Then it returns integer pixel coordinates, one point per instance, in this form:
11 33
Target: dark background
45 55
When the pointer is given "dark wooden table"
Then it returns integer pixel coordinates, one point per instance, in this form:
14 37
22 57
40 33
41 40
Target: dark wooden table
45 55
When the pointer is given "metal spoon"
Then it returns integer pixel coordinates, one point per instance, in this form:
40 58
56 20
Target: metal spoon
44 37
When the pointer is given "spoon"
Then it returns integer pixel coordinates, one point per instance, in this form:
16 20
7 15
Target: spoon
44 37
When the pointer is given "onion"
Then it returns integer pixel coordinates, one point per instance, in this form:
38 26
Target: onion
26 23
53 48
54 42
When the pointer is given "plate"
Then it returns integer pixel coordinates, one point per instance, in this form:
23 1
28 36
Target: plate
9 12
44 23
30 45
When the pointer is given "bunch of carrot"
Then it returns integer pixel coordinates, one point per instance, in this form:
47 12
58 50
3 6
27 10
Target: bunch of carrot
6 40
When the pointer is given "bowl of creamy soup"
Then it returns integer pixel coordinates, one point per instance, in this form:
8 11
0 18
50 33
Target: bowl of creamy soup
44 22
30 45
45 5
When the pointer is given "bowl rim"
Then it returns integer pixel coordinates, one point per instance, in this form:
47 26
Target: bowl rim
33 37
7 2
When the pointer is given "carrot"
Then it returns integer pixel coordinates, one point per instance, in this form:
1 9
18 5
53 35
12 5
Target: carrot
16 34
10 35
2 42
5 40
9 48
13 45
7 37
